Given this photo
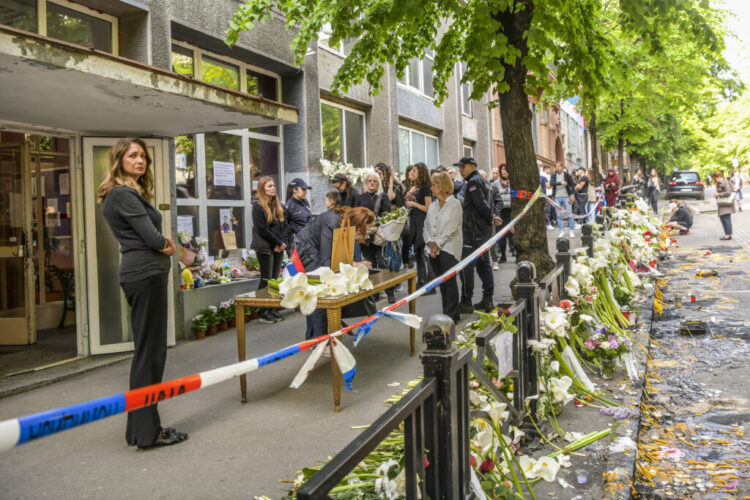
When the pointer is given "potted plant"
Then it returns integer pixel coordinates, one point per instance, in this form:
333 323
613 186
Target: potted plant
225 310
212 319
199 326
231 314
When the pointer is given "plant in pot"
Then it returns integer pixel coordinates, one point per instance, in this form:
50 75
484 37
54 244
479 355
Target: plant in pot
225 312
231 314
251 312
199 325
211 315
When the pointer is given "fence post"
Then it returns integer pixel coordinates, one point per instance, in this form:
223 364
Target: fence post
587 239
439 360
527 288
600 219
563 258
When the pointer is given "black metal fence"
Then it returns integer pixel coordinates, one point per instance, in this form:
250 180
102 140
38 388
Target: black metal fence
435 414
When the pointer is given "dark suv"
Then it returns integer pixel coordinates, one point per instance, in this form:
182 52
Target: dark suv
685 183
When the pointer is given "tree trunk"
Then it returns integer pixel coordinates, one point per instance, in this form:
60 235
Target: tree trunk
530 235
621 160
594 151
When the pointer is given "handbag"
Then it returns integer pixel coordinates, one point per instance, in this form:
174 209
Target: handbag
725 201
342 247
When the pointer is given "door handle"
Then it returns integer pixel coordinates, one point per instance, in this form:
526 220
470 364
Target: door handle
20 251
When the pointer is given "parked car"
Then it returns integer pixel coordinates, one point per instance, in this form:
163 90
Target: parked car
685 183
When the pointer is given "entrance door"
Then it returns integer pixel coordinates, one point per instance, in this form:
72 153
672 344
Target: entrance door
109 313
17 292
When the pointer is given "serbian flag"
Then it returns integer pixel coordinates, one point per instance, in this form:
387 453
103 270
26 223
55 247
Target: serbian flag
294 266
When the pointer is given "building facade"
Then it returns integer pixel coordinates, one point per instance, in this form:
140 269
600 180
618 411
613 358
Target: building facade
87 72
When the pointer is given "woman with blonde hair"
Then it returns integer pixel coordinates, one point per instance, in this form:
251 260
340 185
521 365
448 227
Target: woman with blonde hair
270 234
125 195
443 237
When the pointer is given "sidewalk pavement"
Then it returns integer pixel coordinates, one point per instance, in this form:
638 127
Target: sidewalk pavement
234 450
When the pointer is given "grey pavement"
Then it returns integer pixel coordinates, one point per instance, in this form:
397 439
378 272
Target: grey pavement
234 450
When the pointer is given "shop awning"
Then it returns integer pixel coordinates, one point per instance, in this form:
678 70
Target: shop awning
54 84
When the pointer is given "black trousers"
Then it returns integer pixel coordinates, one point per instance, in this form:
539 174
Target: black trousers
506 240
449 289
484 270
148 317
270 266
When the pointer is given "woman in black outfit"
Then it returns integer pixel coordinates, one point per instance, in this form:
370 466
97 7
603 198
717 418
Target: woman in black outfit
344 186
144 271
270 234
297 209
377 201
391 185
418 199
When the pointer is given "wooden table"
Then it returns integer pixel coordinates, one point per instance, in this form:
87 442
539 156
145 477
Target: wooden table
265 298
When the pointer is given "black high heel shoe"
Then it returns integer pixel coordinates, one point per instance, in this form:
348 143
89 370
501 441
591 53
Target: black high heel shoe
167 437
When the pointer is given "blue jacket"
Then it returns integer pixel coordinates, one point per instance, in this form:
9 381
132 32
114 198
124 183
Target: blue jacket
298 214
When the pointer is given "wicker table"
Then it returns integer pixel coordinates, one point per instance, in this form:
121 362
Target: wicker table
264 298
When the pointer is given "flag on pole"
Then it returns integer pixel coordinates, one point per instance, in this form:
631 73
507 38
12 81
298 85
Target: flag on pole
294 266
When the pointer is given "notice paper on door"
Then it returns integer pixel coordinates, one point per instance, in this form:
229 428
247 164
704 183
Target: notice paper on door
224 173
64 181
185 224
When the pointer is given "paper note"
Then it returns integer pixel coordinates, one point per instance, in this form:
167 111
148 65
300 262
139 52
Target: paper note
224 174
64 181
185 223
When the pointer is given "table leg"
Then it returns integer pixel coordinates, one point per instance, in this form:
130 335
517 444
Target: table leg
239 314
412 310
334 325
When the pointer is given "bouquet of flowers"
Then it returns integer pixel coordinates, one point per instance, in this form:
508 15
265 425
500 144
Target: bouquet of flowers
605 344
392 223
331 168
193 250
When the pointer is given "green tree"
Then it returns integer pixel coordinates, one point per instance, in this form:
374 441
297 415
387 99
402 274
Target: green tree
509 46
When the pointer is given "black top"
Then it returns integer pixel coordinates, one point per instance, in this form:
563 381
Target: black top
398 194
370 200
267 236
349 198
683 217
458 188
297 214
477 210
419 196
556 180
497 200
136 225
314 242
583 193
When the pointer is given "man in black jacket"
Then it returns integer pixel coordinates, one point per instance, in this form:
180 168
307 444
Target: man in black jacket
478 223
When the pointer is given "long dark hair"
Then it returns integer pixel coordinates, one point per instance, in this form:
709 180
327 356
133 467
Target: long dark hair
423 175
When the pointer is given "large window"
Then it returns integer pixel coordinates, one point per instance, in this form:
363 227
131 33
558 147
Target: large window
343 134
465 91
418 74
63 20
324 41
414 146
216 177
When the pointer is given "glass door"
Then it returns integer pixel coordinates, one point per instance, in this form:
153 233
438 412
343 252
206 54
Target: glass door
17 290
109 313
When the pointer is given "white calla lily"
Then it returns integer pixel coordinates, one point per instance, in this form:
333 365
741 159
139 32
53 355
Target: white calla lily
497 412
306 297
559 388
528 465
555 322
350 276
546 468
564 460
299 279
572 287
362 276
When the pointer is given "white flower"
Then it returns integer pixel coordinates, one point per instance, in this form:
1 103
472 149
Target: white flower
497 412
362 276
350 276
542 346
572 437
572 287
555 365
299 279
559 388
546 468
555 322
528 465
598 262
305 296
585 318
563 460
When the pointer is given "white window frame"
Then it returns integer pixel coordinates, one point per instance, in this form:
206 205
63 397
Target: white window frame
343 131
198 54
41 13
419 89
414 131
465 100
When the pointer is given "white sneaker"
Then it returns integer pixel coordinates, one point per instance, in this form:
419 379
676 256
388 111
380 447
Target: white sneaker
572 234
495 267
562 234
577 226
550 227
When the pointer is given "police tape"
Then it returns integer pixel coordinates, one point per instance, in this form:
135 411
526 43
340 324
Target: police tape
17 431
594 208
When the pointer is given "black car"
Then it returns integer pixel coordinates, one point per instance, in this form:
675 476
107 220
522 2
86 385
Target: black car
685 183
